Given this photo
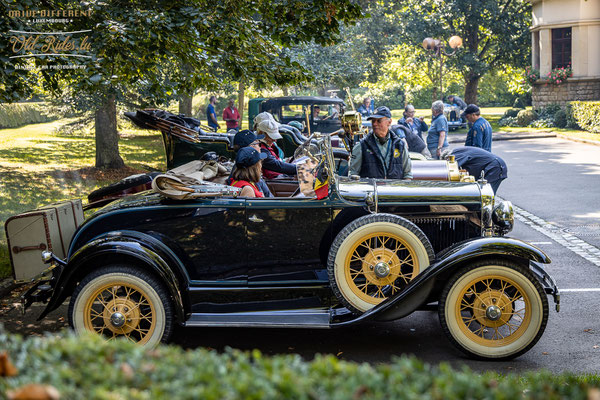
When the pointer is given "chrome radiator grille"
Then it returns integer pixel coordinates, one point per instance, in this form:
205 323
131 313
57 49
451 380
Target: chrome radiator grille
444 231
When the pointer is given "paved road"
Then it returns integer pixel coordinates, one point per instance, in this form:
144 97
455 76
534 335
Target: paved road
555 185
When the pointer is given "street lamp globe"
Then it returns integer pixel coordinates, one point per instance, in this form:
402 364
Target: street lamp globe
428 43
455 42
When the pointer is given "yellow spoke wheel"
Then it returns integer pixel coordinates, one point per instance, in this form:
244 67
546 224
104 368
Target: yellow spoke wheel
494 310
122 302
374 258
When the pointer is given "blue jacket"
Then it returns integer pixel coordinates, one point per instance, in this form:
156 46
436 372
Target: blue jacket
417 126
480 135
372 159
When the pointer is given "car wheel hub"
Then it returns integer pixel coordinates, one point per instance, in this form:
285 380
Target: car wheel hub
382 270
492 308
493 313
121 315
117 320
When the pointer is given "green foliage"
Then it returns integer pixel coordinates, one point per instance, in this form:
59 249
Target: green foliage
88 367
508 121
571 122
543 123
519 103
511 112
526 117
560 119
549 111
19 114
501 87
495 33
587 115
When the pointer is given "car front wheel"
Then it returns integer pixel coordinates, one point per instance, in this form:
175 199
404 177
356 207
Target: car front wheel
493 310
121 301
374 258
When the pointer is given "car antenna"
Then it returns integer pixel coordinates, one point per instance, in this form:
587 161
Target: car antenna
347 89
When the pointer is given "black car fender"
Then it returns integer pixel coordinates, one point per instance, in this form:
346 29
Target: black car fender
448 262
138 247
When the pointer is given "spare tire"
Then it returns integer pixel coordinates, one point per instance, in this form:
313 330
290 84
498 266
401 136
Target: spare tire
375 257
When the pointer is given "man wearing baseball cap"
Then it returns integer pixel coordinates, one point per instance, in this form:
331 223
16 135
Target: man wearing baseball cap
480 134
273 166
382 153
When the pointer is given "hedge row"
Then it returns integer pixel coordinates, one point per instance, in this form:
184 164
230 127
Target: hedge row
587 115
19 114
90 368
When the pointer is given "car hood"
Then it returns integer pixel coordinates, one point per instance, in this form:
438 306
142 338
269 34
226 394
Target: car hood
403 191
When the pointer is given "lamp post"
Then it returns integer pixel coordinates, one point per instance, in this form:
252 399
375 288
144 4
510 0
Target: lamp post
439 49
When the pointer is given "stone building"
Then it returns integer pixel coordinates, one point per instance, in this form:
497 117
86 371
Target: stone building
566 32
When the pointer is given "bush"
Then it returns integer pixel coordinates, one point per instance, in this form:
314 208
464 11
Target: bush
19 114
88 367
587 115
549 111
519 103
512 112
526 117
543 123
560 119
507 121
571 122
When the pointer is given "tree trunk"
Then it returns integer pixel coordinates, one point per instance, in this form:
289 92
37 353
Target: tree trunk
107 137
471 89
241 94
185 105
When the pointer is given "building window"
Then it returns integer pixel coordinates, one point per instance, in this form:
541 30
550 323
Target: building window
561 47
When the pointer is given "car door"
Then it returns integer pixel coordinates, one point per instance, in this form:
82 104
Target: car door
284 239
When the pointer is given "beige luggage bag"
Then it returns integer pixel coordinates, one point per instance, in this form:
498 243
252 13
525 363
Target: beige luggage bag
50 228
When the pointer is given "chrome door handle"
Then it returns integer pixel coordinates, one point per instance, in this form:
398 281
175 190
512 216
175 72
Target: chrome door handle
254 218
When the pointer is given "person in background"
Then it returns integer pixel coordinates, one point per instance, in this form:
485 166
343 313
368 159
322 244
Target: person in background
231 116
273 166
247 138
382 153
416 125
415 143
480 134
316 111
457 101
475 160
365 108
262 117
334 113
211 114
436 135
247 173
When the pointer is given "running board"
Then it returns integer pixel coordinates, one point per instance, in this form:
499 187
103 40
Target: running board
262 319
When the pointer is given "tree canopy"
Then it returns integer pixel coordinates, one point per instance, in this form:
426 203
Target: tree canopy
494 33
150 52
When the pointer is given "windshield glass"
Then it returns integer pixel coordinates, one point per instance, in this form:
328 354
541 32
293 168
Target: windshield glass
312 159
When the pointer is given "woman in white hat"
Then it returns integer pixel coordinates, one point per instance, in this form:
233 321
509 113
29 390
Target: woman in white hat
273 166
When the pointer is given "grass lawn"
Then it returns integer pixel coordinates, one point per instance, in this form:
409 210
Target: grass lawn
39 166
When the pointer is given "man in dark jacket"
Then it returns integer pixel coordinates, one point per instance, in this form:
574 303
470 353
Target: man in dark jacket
414 142
475 160
382 153
457 101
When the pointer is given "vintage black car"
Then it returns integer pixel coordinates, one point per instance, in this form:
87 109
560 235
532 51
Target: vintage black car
302 109
347 251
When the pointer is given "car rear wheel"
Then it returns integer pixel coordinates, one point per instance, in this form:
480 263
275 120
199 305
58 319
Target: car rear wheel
122 301
374 258
493 310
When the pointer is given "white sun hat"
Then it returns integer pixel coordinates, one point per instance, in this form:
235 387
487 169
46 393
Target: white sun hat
270 127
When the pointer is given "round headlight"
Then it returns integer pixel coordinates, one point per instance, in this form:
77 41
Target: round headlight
503 216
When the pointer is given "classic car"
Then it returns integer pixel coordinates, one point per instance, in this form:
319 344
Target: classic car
453 114
302 110
347 251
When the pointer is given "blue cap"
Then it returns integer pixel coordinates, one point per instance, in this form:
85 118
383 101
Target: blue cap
246 137
381 112
248 156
